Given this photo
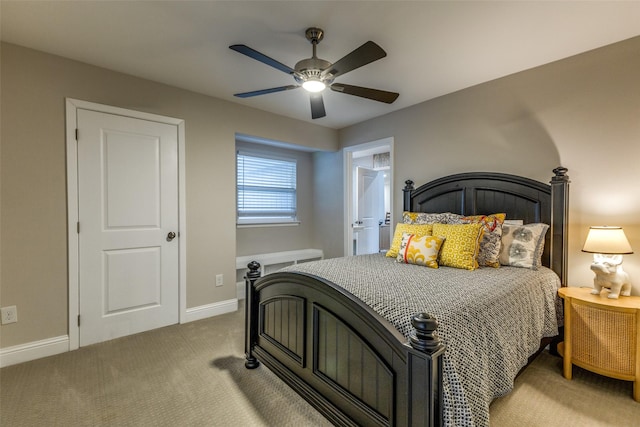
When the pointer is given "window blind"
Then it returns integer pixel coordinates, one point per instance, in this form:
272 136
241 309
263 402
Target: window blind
266 189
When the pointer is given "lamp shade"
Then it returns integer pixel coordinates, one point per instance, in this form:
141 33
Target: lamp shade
607 240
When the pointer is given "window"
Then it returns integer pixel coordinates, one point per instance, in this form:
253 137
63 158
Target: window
266 189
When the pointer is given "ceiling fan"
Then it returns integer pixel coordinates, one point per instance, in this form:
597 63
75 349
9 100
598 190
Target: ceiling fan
315 74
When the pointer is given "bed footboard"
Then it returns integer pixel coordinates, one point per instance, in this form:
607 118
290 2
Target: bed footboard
347 361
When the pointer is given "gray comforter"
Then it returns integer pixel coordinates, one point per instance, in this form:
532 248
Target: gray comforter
491 320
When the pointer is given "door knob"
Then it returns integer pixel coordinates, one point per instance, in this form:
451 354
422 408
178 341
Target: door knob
171 236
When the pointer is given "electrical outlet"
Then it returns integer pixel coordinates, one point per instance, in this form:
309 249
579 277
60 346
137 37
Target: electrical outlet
9 314
219 280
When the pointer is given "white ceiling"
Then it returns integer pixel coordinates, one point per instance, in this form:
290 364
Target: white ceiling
433 47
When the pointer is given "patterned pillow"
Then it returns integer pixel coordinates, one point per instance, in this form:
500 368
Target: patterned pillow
420 217
451 218
522 245
430 218
490 245
417 250
461 244
417 229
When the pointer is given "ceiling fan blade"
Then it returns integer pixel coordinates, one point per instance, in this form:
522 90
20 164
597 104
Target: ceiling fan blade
365 92
265 91
254 54
363 55
317 106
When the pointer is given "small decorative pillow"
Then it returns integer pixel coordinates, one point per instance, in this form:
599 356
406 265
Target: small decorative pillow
417 229
522 245
489 254
461 244
417 250
430 218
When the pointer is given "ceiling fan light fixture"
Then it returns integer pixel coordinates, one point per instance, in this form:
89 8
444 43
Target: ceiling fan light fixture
314 85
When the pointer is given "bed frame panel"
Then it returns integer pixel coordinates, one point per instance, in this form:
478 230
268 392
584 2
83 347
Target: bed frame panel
349 362
339 354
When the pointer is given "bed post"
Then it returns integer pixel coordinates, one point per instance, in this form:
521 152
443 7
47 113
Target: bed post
408 188
559 223
426 367
251 318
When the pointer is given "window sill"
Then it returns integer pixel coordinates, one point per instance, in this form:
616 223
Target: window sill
268 224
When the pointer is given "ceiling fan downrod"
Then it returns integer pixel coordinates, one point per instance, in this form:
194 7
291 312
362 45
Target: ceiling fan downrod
308 72
314 35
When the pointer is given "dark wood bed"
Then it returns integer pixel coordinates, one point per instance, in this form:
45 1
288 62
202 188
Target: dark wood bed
297 324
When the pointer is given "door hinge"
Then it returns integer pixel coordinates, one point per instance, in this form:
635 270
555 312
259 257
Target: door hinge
78 320
78 227
76 134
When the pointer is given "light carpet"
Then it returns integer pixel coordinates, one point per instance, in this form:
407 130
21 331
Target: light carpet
194 375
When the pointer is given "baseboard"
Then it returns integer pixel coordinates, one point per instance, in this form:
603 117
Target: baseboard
33 350
210 310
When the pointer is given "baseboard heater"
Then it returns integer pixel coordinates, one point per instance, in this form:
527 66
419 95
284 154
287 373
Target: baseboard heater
273 261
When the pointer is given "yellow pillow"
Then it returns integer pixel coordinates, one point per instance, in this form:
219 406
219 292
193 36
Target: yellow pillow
461 244
419 250
417 229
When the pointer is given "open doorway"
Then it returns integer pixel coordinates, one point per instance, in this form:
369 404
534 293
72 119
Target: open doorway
368 197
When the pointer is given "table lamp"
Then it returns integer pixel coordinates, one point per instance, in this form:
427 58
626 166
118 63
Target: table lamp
608 244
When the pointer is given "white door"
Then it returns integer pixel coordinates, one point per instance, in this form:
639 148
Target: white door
127 208
370 190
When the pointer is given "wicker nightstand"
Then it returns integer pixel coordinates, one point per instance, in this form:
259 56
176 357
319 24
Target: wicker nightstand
602 335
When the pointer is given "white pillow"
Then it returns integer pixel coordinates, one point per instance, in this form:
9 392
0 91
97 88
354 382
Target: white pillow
522 245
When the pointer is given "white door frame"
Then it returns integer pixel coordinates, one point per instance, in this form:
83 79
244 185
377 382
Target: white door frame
374 146
72 105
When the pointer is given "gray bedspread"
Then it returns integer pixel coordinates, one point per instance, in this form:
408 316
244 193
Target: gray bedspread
491 320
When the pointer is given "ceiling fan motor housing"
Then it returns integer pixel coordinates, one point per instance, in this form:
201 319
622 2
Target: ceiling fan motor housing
311 69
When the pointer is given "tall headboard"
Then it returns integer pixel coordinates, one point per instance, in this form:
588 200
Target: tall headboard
483 193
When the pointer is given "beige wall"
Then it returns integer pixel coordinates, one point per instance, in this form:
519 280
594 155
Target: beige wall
328 184
582 112
33 228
